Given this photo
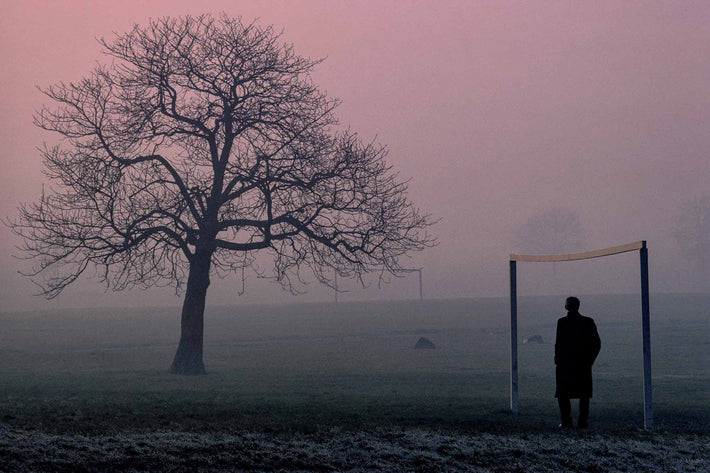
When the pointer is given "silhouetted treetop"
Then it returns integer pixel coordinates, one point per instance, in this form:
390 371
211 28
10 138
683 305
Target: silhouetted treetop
200 142
556 230
208 129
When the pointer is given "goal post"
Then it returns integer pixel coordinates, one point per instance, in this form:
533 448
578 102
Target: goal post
645 316
399 273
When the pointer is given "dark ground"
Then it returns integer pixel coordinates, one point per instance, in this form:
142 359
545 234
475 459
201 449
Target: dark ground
325 388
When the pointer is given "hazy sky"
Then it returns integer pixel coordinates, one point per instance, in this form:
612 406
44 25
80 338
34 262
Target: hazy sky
497 110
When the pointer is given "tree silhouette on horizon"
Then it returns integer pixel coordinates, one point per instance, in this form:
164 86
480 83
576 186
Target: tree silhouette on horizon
692 234
556 230
202 142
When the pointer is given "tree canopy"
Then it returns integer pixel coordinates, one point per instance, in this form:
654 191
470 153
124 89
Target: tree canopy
201 142
205 129
692 233
556 230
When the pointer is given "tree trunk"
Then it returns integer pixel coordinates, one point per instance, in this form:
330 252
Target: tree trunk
188 358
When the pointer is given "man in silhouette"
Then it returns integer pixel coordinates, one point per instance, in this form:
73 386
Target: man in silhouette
576 347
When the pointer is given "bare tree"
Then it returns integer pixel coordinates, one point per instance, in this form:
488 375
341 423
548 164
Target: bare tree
692 233
202 142
556 230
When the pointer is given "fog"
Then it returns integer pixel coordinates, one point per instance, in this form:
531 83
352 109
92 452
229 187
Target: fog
498 112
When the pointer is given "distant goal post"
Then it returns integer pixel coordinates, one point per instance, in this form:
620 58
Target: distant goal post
639 246
395 273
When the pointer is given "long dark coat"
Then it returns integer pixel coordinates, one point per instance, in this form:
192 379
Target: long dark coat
576 347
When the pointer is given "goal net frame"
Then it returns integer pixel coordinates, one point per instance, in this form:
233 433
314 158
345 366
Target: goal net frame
399 273
645 316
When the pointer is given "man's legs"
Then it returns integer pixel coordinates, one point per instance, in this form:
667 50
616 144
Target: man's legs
583 413
565 411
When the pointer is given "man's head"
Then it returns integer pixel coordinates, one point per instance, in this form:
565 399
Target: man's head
572 304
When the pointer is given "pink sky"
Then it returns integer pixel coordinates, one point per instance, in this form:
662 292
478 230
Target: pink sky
497 110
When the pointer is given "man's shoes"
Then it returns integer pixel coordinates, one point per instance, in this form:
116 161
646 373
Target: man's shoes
583 425
565 425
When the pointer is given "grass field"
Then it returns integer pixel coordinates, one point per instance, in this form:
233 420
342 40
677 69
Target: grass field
325 387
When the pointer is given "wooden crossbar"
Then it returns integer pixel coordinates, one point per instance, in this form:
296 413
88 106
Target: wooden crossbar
645 317
637 245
